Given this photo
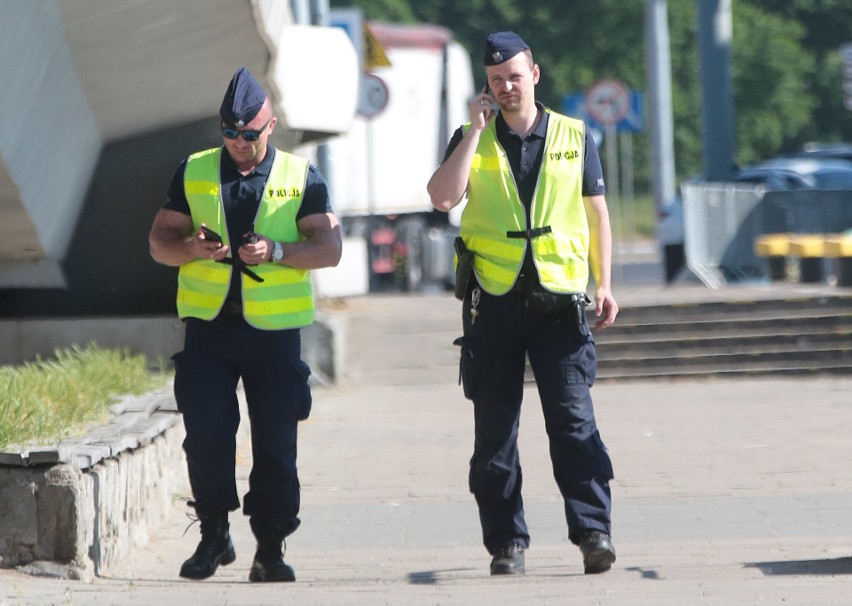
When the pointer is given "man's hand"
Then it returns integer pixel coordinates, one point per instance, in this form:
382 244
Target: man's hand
202 248
257 252
481 109
605 308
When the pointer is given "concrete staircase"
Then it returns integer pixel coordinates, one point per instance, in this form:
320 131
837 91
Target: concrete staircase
801 336
407 340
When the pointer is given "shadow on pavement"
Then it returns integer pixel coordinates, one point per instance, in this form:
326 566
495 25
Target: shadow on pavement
805 567
645 573
431 577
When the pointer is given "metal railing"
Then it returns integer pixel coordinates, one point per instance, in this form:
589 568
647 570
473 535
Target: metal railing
722 220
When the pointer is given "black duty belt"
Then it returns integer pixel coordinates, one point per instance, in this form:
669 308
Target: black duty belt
529 234
242 267
522 287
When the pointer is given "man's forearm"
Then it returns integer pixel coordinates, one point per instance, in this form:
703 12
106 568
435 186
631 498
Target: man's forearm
321 246
603 272
448 184
324 251
170 248
600 241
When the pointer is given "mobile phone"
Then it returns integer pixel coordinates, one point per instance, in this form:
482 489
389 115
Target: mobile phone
211 235
487 90
250 237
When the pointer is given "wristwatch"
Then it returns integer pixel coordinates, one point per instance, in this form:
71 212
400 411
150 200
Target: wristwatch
277 252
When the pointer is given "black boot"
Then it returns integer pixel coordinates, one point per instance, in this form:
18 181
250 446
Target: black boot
215 547
268 565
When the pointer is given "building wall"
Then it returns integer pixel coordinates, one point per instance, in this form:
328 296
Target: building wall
49 143
108 268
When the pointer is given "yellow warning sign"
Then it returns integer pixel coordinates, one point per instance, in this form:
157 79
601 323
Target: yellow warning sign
374 54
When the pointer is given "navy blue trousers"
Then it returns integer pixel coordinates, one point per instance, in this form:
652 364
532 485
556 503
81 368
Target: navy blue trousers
562 356
216 355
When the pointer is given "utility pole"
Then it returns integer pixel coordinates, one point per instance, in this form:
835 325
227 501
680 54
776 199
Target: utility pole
658 63
715 34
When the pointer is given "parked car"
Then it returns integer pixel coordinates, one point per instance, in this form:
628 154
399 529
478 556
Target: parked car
808 171
838 151
783 174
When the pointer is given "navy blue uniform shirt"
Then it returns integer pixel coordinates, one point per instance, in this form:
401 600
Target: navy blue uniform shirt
241 195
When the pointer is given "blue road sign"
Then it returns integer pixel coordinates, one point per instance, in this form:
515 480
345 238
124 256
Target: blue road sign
574 105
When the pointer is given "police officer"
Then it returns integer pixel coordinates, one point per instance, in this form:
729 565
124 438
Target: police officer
535 219
244 223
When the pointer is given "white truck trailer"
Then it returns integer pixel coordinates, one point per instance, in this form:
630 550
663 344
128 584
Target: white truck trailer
379 169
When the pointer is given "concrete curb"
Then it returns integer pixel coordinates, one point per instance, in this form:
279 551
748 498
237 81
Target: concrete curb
74 510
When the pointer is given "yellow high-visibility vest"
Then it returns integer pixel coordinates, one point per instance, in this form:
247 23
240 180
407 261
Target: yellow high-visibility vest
285 297
494 224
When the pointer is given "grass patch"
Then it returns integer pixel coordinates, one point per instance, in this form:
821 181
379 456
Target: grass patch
44 401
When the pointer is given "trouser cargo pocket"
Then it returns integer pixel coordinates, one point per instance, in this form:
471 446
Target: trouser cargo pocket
466 368
303 397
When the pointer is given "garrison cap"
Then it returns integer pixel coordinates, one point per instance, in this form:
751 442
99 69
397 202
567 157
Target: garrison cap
243 99
502 46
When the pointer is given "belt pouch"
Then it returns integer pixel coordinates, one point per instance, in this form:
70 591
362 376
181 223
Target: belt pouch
464 268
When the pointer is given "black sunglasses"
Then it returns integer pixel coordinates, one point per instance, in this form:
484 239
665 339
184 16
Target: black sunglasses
248 135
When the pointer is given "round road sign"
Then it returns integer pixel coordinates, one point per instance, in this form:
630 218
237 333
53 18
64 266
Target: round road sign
608 101
374 96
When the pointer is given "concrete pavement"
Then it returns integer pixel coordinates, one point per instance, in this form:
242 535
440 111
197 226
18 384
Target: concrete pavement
726 493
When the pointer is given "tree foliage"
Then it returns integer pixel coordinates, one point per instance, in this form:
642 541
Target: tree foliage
786 70
770 76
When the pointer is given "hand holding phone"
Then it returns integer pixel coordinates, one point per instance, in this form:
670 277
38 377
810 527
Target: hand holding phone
491 102
210 235
250 237
484 106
